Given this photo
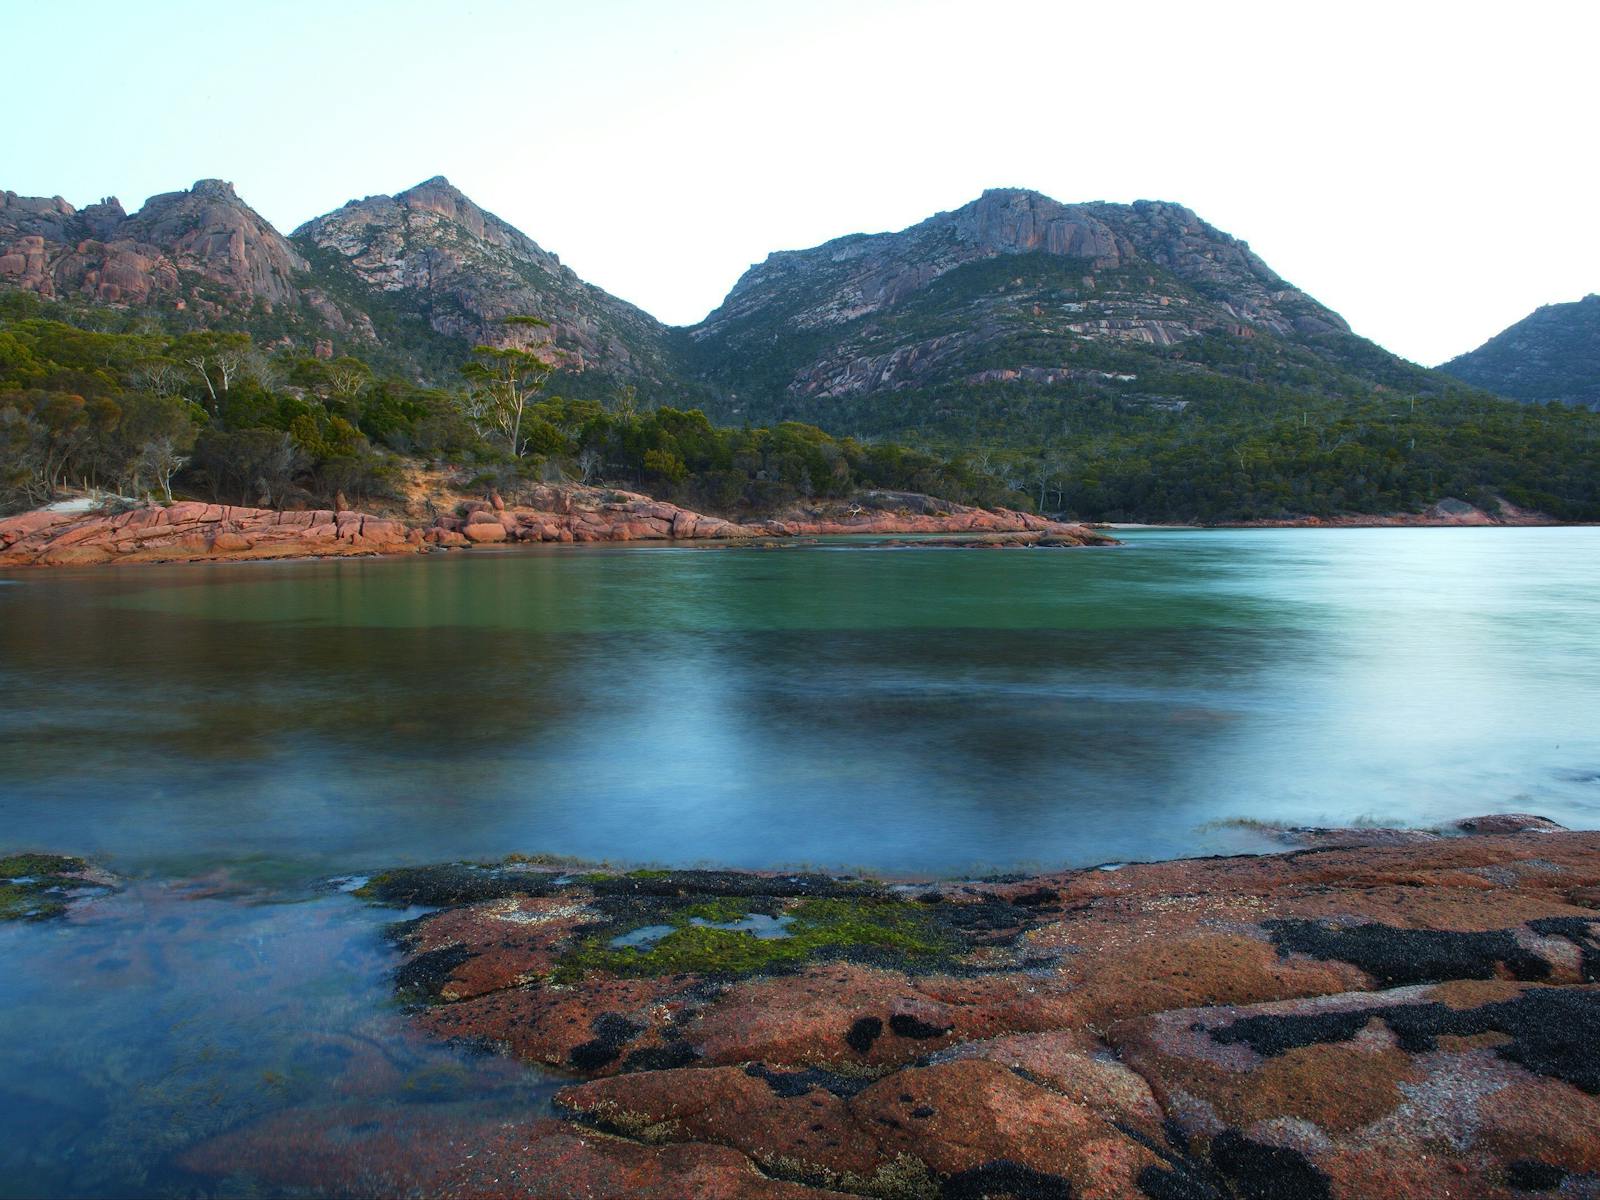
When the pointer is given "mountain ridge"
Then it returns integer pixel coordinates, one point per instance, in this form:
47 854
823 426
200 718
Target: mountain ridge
1144 304
1551 354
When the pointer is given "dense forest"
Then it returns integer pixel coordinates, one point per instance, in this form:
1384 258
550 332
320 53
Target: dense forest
1247 456
139 411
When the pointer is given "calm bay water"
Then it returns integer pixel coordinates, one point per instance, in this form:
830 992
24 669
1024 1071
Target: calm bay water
244 729
904 710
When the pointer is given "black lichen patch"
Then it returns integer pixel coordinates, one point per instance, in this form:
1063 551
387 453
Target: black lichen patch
1551 1031
1270 1036
661 1058
448 884
1238 1169
1038 898
1583 931
612 1031
793 1084
906 1026
1262 1172
988 916
1394 956
1002 1177
1531 1175
420 979
863 1033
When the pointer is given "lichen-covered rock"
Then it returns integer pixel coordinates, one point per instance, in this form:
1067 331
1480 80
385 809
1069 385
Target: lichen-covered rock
190 531
424 1151
1410 1018
1446 1090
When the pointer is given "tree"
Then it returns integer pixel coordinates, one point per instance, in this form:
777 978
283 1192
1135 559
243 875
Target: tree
153 440
503 379
590 461
158 461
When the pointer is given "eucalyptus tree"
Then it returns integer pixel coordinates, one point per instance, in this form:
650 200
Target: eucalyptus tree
503 379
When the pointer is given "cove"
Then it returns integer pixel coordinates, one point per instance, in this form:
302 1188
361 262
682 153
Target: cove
906 710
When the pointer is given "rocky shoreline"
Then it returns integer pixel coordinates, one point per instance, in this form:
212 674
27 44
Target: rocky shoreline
1448 513
1385 1013
189 531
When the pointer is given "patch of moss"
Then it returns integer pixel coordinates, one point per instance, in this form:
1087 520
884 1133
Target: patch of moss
29 902
14 865
821 928
33 886
719 910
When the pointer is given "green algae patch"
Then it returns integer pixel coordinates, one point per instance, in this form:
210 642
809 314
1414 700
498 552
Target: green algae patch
722 910
882 930
36 887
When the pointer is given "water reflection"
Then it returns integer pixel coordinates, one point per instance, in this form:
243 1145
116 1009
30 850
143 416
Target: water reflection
908 710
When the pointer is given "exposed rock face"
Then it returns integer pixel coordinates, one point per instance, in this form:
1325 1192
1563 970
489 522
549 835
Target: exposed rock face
578 514
1551 354
204 248
190 531
1413 1018
464 270
865 273
891 310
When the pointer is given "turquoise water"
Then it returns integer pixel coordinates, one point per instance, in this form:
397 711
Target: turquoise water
904 710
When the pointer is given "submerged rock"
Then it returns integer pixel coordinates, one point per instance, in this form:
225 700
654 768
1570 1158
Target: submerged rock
37 887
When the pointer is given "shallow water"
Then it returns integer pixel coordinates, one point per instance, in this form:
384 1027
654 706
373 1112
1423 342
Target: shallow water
905 710
154 1019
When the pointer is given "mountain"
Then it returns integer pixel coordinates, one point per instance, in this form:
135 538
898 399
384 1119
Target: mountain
203 248
431 254
1551 354
1143 302
1005 319
411 280
1113 361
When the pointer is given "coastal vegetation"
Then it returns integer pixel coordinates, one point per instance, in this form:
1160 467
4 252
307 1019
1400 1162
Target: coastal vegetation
119 401
141 410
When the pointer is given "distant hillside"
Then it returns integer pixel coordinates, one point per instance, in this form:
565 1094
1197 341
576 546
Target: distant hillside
1551 354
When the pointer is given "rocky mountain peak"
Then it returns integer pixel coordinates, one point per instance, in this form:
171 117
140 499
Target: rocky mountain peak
464 270
213 189
1018 221
1014 285
229 254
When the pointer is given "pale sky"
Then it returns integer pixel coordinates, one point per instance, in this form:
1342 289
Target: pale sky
1426 169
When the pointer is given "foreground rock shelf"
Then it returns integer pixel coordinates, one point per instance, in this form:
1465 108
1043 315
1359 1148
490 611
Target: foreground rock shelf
193 532
1378 1016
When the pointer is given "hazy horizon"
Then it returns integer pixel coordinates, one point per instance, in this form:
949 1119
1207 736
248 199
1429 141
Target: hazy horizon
660 153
